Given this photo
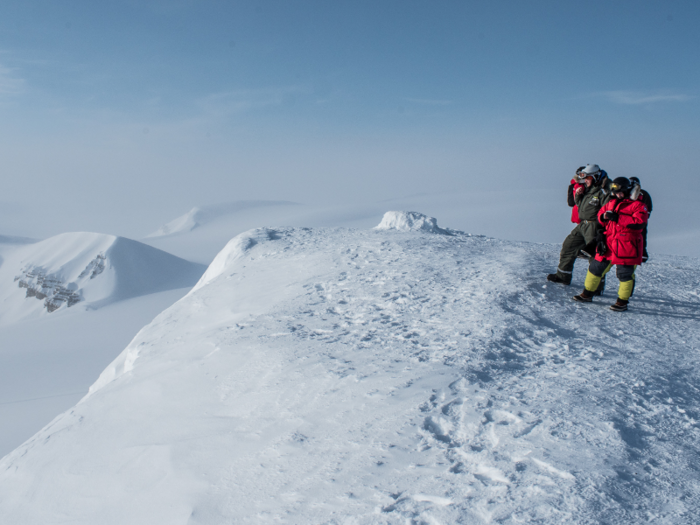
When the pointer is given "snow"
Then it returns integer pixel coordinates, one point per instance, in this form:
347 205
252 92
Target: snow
84 270
201 216
384 376
68 306
48 363
409 221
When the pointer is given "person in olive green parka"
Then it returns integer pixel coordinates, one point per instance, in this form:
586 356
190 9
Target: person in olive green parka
590 199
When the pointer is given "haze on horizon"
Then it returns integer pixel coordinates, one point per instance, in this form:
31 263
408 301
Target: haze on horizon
118 117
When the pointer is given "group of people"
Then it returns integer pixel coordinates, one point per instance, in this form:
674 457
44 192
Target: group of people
611 229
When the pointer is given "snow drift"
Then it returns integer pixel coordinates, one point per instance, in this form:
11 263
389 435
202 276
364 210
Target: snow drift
345 376
409 221
87 268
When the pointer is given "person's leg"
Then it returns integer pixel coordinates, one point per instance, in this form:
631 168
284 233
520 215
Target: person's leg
596 271
567 257
625 273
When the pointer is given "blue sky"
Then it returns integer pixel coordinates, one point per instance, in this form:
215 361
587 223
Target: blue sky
163 105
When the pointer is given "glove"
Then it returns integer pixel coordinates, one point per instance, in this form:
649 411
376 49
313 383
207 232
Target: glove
601 246
611 216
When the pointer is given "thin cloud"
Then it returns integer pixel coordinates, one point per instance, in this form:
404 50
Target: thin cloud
10 84
428 102
241 101
638 97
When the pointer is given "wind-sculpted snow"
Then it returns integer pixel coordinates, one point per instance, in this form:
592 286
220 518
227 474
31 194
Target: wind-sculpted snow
340 376
410 221
89 268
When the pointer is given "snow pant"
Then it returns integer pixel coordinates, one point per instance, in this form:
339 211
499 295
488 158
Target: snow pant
579 237
625 273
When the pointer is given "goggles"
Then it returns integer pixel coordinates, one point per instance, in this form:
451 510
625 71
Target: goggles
616 188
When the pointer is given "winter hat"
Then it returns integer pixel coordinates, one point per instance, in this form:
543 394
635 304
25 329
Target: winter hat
591 170
621 184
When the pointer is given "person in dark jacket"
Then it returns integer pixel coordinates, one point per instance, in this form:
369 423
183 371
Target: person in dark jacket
621 245
589 199
642 195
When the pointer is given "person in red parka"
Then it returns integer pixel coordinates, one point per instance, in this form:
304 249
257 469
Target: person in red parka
571 193
620 244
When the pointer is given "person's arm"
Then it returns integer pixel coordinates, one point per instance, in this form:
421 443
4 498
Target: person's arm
636 219
605 209
570 196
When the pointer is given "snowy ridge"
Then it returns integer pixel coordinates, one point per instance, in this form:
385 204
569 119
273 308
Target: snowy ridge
346 376
89 268
234 250
199 216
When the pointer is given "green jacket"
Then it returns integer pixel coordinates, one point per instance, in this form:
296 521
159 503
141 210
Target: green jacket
592 200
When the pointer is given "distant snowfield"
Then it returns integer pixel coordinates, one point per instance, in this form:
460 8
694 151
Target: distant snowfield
384 376
201 216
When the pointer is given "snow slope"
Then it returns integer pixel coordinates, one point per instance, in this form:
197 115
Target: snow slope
86 269
384 376
47 364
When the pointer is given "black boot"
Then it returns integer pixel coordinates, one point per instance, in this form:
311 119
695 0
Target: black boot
556 278
620 305
584 297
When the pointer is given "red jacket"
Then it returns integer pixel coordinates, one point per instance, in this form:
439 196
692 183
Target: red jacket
624 237
572 192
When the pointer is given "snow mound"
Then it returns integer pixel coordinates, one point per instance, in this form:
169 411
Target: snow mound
185 223
409 221
88 268
356 376
200 216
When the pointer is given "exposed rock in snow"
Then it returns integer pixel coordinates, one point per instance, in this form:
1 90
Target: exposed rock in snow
410 221
349 376
90 268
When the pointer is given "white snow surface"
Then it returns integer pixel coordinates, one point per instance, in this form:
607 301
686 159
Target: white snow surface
374 376
94 269
48 363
